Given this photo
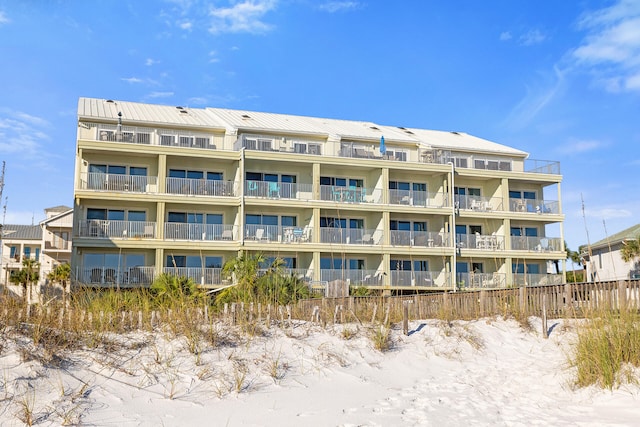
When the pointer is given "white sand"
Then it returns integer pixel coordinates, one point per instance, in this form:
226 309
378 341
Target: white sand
488 372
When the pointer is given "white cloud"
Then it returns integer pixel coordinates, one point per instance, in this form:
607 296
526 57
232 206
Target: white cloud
197 101
149 62
186 25
22 133
611 48
244 17
3 18
338 6
608 213
581 146
213 57
532 37
155 95
536 100
505 35
131 80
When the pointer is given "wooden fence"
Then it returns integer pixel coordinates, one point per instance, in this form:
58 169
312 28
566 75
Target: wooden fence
569 300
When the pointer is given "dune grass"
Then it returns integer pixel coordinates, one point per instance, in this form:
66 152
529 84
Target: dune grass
607 349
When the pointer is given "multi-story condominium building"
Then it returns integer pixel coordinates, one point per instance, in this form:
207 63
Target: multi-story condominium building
183 190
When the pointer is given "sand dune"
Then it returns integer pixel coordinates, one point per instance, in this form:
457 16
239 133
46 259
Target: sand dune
487 372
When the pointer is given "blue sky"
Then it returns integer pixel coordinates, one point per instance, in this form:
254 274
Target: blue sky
558 79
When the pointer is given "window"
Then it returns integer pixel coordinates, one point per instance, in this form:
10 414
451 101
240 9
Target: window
524 231
520 268
195 174
193 261
340 264
353 223
194 218
527 195
115 215
13 251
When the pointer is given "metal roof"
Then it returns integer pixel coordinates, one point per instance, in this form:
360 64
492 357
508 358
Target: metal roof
626 234
463 142
92 108
237 121
21 232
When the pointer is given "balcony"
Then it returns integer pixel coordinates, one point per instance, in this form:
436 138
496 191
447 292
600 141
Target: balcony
520 279
542 166
108 229
278 190
481 280
109 276
57 245
120 183
427 279
487 242
199 276
146 136
280 234
478 203
352 277
417 198
339 194
200 187
350 236
270 143
199 232
428 239
537 244
302 274
535 206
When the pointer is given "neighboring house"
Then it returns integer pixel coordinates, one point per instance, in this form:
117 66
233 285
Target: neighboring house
183 190
57 229
49 243
606 263
19 242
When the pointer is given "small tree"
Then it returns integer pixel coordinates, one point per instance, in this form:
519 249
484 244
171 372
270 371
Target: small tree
26 276
61 274
259 281
172 290
630 249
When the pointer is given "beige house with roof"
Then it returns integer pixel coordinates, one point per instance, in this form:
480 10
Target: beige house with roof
182 190
606 263
49 243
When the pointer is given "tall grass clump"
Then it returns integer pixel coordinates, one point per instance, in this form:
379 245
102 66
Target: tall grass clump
607 348
260 280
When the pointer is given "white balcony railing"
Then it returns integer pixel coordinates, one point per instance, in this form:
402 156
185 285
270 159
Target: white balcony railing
429 239
418 278
520 279
116 182
201 187
278 190
352 277
199 232
199 276
538 244
478 203
277 233
481 280
350 236
109 276
341 194
491 242
109 229
417 198
536 206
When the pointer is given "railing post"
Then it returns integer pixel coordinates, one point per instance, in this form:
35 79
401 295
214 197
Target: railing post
522 300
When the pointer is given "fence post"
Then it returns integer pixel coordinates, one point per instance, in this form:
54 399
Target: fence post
405 317
622 295
483 302
522 299
545 331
